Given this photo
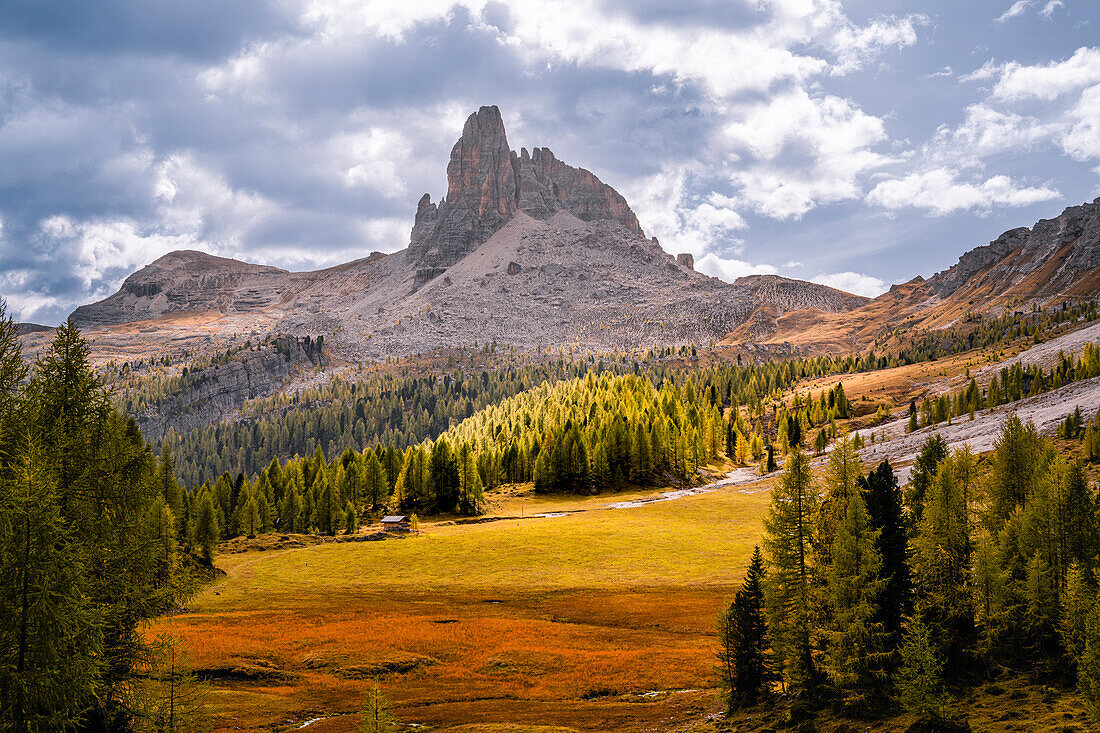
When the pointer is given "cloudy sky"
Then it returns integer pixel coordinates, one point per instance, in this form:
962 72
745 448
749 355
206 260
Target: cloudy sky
853 143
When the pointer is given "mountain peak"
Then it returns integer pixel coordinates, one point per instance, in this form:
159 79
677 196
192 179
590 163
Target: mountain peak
488 183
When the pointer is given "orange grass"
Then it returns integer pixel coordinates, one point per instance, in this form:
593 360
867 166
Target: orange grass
567 621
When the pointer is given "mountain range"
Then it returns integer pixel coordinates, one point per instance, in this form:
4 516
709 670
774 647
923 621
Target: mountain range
527 251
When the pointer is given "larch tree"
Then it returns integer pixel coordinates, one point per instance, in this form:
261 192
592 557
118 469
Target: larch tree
206 525
920 679
932 453
50 635
789 539
857 656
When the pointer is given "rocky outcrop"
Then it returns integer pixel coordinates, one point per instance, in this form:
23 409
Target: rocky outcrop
488 183
782 295
524 250
187 281
686 259
1055 257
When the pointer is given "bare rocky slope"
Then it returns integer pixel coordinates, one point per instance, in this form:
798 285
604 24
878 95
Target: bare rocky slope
1054 261
524 250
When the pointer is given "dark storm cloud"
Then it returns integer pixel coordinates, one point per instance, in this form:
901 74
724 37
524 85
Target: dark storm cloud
198 29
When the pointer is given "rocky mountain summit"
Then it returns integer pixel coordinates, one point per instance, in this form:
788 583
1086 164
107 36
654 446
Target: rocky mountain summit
488 183
523 250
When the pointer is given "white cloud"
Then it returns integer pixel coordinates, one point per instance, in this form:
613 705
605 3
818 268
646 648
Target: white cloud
986 130
97 248
854 45
852 282
1050 7
945 71
683 225
1082 139
939 192
730 269
831 138
199 203
1049 81
1017 8
985 72
370 159
792 264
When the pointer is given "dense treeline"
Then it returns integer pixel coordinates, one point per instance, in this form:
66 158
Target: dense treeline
869 598
617 424
90 549
343 414
581 435
404 411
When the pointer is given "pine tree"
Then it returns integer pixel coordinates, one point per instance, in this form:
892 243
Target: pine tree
742 635
789 537
857 656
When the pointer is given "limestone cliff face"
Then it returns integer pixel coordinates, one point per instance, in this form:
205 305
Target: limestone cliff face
488 183
214 393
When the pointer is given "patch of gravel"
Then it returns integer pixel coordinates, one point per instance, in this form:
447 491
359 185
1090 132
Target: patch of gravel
1046 353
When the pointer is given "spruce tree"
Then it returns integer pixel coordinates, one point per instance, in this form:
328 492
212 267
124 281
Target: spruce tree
742 633
789 538
884 506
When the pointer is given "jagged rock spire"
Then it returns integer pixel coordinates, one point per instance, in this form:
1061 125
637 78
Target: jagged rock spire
487 183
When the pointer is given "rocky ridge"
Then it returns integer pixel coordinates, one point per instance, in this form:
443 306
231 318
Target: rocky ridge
524 250
1054 261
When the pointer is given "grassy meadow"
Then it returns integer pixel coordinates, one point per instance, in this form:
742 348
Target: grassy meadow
596 620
